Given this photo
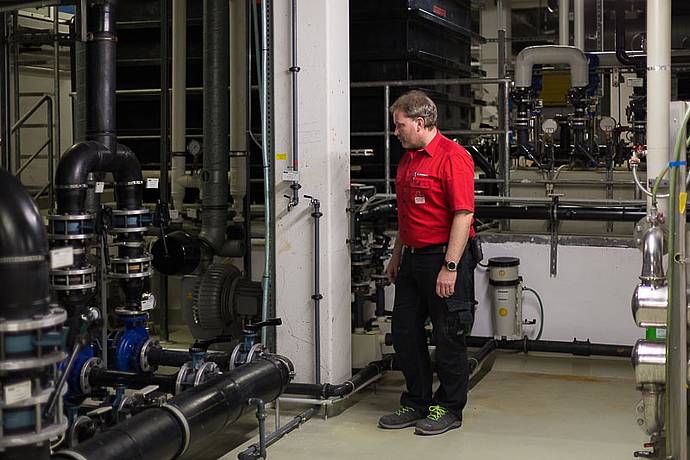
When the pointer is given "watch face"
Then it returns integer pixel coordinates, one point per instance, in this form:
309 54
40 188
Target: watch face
451 266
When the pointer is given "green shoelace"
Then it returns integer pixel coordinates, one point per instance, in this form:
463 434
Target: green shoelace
403 410
436 412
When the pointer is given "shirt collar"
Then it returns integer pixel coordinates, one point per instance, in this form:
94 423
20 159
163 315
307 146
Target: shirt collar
433 146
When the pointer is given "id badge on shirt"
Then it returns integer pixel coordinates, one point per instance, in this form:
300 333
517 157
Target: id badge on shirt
419 198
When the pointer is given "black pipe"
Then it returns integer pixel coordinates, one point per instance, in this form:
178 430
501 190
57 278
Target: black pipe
164 159
481 354
216 123
576 347
23 253
541 212
99 377
189 418
621 53
482 162
5 158
101 70
328 390
317 296
159 356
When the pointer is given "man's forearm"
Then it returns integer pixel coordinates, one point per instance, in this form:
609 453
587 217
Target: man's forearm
459 233
397 247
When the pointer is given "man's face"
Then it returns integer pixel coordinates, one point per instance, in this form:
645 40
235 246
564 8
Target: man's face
408 130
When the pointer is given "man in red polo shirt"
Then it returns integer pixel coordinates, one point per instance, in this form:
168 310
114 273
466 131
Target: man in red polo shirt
432 267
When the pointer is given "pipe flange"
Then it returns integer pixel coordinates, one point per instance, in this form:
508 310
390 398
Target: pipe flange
255 351
73 279
144 354
182 375
54 317
128 268
206 372
234 356
84 383
177 413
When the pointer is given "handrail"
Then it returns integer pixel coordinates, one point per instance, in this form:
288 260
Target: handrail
48 101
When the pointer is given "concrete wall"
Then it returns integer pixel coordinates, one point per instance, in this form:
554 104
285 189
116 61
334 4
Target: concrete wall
324 129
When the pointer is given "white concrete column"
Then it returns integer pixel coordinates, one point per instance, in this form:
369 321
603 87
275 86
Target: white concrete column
658 86
563 22
324 129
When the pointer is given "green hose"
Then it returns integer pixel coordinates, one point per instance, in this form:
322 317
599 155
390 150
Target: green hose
541 311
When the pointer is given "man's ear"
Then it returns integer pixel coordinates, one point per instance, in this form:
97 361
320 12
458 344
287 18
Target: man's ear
419 121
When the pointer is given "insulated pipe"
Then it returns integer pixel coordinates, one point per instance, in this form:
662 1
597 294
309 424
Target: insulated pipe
187 419
179 102
216 129
551 54
101 70
658 89
238 107
563 22
576 347
579 24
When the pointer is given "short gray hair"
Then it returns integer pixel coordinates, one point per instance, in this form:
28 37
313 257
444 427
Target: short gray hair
416 104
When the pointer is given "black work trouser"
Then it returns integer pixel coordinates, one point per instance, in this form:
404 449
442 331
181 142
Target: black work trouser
415 300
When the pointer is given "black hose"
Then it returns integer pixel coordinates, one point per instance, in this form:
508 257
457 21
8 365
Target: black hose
481 354
99 377
166 432
328 390
576 347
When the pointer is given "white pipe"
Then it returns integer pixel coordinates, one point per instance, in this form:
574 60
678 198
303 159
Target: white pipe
579 24
658 88
179 102
238 104
563 22
551 54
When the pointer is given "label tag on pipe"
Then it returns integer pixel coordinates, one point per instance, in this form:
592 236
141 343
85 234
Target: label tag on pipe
61 257
174 214
634 82
148 301
290 176
100 186
682 202
151 182
17 392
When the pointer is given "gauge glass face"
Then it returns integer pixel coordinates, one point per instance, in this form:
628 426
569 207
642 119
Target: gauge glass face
607 124
549 126
194 147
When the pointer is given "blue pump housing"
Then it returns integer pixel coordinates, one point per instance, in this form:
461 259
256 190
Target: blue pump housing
126 344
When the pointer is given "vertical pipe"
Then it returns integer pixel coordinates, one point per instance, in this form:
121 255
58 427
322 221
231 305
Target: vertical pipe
268 171
238 104
16 88
579 24
101 71
179 102
503 114
4 94
563 22
317 288
658 89
294 70
216 128
387 136
164 157
56 82
51 152
247 140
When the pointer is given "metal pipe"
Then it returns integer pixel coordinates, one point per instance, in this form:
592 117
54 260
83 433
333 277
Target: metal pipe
294 70
658 89
579 24
5 143
430 82
504 113
179 102
189 418
238 110
563 22
216 127
317 214
551 54
387 136
56 89
164 155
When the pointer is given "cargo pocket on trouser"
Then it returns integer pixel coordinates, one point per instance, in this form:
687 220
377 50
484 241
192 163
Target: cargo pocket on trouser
460 317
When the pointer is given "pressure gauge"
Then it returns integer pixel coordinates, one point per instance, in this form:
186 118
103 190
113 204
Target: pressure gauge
549 126
194 147
606 124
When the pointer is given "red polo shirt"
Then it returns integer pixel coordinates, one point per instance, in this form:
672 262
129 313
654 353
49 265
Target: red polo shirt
431 185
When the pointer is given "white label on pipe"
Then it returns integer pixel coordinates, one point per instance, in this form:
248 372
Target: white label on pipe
99 187
17 392
634 82
61 257
291 176
174 214
152 182
148 301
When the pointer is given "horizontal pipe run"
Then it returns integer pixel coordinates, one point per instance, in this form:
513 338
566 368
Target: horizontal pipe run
430 82
576 347
110 378
158 356
560 213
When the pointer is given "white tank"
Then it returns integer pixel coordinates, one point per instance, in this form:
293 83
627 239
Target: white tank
506 297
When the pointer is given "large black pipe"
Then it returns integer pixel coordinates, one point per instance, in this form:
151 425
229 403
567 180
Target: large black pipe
328 390
159 356
576 347
23 253
99 377
216 123
541 212
101 70
189 418
621 53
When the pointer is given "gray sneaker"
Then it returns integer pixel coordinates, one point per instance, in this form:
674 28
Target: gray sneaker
402 418
438 421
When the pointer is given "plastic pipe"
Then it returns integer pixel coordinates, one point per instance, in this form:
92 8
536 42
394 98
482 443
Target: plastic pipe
552 54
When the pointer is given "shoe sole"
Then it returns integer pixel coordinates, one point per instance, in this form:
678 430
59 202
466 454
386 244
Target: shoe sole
423 432
386 426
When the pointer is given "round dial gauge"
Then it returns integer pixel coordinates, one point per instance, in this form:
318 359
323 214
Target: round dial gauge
607 124
194 147
549 126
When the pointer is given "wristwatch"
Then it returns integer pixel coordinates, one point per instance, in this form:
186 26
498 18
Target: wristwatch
451 266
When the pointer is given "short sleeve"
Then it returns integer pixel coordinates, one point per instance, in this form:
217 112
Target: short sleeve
458 180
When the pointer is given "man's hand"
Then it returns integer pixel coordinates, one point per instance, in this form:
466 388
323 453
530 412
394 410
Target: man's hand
393 266
445 283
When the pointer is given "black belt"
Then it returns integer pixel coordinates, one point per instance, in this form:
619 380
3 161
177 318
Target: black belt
432 249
